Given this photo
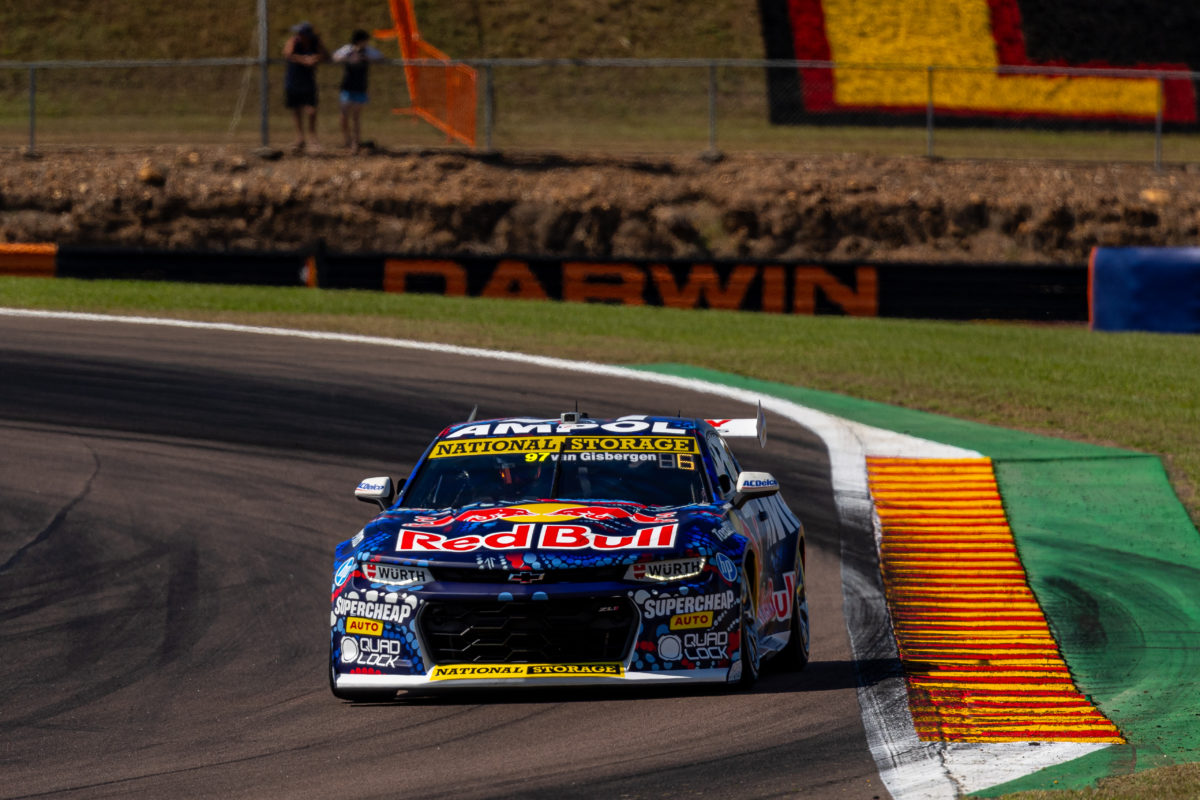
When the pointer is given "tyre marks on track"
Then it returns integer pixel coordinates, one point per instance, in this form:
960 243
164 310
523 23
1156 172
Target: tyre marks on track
979 658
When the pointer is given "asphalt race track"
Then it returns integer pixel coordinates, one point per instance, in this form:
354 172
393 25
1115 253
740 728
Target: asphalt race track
169 504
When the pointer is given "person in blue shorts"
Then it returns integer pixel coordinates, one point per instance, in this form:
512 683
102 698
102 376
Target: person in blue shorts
303 52
357 57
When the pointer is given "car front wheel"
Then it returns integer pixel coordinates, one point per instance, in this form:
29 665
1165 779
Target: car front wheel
795 654
748 644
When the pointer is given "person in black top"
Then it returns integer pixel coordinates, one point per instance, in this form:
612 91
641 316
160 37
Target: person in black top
303 52
356 56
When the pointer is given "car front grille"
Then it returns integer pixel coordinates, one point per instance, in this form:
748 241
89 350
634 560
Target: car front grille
570 630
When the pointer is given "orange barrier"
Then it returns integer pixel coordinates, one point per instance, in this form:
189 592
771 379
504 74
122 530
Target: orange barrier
28 260
442 95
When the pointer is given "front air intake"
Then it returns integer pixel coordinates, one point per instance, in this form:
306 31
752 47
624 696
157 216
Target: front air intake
572 630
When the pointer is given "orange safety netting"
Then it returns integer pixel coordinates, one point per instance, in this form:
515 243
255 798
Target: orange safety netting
441 94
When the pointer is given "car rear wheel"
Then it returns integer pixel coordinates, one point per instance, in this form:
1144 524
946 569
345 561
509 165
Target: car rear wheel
751 658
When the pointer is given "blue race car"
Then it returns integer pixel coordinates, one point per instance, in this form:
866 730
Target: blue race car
570 551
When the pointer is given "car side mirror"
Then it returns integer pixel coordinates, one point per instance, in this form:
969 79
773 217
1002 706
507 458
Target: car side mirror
752 486
376 490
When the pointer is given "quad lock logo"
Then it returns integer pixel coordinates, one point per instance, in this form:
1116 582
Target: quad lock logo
706 646
366 652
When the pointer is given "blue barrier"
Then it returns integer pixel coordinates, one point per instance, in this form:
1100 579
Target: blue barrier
1144 289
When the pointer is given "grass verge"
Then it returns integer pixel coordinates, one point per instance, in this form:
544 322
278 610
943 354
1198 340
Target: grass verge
1132 390
1179 782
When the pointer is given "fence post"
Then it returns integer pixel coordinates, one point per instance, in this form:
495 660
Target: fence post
32 109
264 74
1158 127
712 107
929 111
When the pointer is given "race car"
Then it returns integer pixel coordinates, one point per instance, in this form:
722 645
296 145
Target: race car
570 551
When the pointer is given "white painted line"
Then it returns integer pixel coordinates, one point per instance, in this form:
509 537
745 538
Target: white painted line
911 769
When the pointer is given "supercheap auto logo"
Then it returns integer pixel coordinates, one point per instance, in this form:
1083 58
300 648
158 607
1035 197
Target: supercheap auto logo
700 619
507 671
370 627
672 605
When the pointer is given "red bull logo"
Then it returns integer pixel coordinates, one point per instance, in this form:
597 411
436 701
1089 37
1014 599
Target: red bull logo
780 605
544 512
543 537
601 513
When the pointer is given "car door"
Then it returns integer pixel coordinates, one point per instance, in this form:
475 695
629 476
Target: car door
765 522
745 519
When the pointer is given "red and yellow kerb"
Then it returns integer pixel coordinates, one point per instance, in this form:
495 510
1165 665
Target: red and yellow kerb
979 658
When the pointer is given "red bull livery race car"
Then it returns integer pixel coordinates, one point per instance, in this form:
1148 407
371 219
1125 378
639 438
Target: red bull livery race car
570 551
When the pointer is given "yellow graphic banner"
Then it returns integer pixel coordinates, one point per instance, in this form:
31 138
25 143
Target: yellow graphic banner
956 36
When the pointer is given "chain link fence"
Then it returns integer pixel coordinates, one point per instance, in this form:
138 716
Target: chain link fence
630 106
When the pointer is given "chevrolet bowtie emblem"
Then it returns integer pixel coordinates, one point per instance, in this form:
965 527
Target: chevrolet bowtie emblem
526 577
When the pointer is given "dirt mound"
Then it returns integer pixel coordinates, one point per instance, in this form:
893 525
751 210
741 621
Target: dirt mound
743 206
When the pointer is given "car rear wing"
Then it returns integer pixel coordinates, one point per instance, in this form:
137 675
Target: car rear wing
756 427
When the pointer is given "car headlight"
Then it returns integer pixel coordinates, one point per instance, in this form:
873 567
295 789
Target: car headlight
675 569
394 574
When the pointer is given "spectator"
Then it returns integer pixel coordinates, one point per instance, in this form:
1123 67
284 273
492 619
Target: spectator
303 52
357 56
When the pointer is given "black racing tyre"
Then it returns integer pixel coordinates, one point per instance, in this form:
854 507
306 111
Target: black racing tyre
795 655
360 695
751 657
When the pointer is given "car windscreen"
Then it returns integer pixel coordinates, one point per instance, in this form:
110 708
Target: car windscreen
652 471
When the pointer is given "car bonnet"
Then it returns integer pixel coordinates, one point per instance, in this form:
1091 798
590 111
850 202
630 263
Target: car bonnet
558 533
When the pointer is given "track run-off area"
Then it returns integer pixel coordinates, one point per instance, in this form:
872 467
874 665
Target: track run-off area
171 492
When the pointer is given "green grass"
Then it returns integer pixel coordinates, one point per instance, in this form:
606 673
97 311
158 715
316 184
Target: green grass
144 29
1140 391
